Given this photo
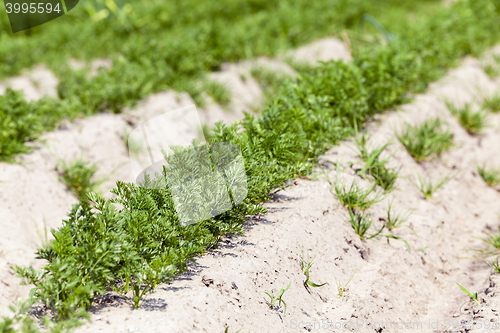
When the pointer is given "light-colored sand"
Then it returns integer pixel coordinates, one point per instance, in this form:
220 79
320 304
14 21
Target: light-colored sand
36 83
322 50
391 283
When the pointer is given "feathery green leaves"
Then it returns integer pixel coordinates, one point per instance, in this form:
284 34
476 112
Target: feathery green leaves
490 176
473 121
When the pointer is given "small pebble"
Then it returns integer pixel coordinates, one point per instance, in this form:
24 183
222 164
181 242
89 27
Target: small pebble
98 318
131 329
456 315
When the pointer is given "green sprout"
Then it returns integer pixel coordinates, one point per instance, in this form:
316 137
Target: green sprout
492 103
279 299
227 330
493 240
376 168
78 176
473 297
473 121
342 289
491 71
426 141
491 68
395 221
218 91
355 197
361 223
305 265
495 265
428 187
490 176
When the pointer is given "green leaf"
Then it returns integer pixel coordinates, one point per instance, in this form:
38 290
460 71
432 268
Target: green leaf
312 284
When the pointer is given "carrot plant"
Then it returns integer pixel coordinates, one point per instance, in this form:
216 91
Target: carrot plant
495 265
138 70
428 187
426 141
490 176
220 93
354 197
361 223
270 81
492 67
151 46
79 176
473 297
341 289
305 265
493 241
278 298
491 70
393 220
374 166
492 103
23 122
473 121
23 322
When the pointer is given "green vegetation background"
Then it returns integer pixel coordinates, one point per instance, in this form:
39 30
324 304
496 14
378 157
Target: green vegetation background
159 45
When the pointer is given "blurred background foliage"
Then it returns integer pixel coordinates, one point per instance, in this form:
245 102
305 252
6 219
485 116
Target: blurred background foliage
192 35
159 45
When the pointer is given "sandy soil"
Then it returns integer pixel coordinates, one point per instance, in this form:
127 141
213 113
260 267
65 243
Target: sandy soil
36 83
224 288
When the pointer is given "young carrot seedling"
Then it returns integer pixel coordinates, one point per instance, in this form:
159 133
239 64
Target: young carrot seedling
428 187
394 221
306 265
493 240
495 265
278 298
354 197
342 289
492 103
472 121
490 176
429 140
374 167
473 297
79 176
